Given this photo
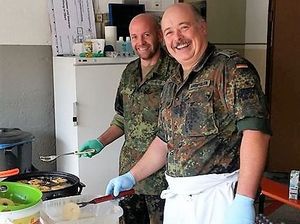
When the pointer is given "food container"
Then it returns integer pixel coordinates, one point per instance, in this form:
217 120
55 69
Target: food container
75 186
26 203
15 151
103 213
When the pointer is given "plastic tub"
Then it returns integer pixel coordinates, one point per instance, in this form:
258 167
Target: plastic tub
29 215
26 203
102 213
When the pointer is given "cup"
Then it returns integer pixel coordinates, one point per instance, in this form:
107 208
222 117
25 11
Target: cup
78 48
98 46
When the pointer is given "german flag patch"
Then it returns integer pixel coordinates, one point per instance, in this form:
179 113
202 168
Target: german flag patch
241 66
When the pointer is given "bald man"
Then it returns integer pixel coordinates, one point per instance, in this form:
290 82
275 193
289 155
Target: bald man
213 129
137 105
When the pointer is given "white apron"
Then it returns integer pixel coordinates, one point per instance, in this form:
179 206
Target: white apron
199 199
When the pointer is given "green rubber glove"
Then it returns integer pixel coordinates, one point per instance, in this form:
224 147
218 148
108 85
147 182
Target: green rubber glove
91 144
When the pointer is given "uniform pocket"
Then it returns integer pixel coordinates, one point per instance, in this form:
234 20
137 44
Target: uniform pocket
168 95
200 119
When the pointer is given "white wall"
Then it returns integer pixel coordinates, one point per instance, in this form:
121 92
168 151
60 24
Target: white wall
256 34
24 22
26 86
101 5
226 21
256 21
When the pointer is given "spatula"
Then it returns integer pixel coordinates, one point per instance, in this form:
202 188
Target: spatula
106 198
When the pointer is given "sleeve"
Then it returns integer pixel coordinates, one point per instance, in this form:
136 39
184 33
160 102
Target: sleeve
160 132
119 102
249 103
118 119
161 126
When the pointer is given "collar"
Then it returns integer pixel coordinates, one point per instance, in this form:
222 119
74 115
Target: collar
208 52
177 77
154 71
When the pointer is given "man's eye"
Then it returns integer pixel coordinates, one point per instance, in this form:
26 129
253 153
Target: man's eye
184 28
168 33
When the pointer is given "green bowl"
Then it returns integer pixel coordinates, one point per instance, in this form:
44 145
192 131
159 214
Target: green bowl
23 195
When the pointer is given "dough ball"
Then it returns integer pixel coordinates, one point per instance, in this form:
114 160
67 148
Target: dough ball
44 188
57 187
35 181
6 202
71 211
59 180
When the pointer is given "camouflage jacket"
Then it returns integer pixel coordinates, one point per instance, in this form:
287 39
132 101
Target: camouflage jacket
137 106
202 117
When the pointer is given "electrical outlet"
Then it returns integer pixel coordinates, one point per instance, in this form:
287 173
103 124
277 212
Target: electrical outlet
98 18
156 5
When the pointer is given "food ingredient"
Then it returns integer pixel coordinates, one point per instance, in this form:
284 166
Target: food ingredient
71 211
46 184
6 202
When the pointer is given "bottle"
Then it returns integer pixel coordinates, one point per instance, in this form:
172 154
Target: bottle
121 47
129 50
88 47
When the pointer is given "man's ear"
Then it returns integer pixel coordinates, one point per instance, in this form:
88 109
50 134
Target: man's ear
160 35
203 26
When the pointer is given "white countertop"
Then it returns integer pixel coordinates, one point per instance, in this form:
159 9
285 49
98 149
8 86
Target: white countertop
80 61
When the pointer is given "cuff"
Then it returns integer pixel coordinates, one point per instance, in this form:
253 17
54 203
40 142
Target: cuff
253 123
118 120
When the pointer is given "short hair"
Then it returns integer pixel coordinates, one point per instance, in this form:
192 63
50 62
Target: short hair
197 13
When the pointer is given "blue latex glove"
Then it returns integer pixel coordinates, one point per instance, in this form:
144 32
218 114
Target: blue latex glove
91 144
120 183
241 211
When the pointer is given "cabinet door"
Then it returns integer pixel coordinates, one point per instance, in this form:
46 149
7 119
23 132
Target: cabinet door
64 97
96 87
283 86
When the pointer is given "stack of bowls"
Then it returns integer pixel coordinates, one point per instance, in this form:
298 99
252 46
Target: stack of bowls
19 203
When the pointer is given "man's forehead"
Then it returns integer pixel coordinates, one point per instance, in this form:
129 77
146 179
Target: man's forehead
176 18
138 30
141 25
175 21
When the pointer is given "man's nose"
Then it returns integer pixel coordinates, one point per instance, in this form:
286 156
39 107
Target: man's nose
140 41
178 34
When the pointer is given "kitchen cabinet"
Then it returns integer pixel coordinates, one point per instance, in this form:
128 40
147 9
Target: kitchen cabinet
84 95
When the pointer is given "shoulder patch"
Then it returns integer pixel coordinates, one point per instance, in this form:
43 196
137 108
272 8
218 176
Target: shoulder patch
228 53
242 66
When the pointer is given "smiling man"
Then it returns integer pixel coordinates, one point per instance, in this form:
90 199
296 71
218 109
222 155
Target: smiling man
137 105
213 129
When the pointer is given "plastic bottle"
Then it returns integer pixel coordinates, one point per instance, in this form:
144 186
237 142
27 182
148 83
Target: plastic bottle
121 47
129 50
88 47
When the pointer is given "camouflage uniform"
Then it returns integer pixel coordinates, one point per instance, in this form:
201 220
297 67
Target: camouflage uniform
202 117
137 106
